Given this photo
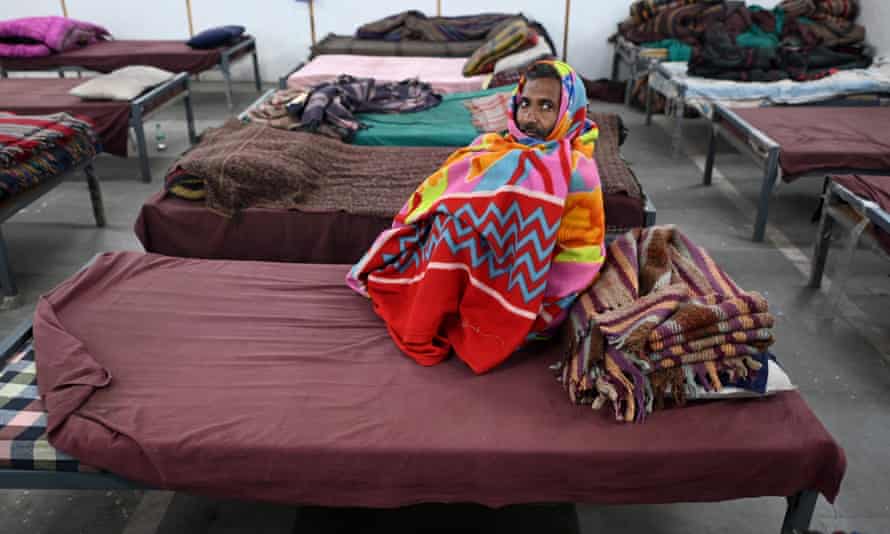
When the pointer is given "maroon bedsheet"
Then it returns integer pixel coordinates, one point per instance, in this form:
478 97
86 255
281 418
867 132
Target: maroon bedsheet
273 381
820 138
874 188
106 56
39 96
176 227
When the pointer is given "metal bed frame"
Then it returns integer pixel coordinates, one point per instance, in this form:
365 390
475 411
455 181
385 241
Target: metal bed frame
227 57
856 218
798 513
763 150
628 53
170 92
674 105
9 294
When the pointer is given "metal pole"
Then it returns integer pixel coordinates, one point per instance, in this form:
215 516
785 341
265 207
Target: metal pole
188 10
438 8
565 35
64 9
312 21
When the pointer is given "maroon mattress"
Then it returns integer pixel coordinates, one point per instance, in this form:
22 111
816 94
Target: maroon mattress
40 96
874 188
273 381
106 56
823 138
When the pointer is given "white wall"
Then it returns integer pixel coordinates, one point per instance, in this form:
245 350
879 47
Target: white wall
875 17
281 28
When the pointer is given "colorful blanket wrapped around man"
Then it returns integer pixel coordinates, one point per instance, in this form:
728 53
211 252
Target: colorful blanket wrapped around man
493 247
662 321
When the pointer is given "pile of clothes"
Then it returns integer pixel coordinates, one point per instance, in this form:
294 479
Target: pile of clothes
43 36
329 108
663 322
798 39
415 26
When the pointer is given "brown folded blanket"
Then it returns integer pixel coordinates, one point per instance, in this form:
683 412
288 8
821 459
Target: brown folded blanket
245 166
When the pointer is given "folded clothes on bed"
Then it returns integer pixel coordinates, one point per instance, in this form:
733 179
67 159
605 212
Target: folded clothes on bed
662 320
329 108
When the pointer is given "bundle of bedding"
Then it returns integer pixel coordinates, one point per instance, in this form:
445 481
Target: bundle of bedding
329 108
664 322
36 147
799 39
517 44
238 166
415 26
43 36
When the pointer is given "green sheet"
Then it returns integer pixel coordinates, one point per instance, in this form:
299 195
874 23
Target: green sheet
448 124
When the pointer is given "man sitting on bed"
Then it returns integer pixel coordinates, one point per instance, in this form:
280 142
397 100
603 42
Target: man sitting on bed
492 249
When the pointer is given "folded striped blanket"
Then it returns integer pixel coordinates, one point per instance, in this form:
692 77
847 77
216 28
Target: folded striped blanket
661 322
23 135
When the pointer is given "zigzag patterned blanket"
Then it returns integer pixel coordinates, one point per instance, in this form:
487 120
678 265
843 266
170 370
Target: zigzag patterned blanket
661 321
495 245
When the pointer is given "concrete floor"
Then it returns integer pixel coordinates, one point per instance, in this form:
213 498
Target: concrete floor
836 349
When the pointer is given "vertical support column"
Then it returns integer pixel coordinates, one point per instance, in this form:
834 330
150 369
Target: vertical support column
95 196
565 35
312 22
770 175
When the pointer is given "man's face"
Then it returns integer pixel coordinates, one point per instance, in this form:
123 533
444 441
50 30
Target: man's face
539 107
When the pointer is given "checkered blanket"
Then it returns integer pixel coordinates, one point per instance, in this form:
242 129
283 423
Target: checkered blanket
23 442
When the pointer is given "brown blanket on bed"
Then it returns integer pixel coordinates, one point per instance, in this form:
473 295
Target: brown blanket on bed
245 166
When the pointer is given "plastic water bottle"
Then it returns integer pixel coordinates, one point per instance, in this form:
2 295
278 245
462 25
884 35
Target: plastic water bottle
160 137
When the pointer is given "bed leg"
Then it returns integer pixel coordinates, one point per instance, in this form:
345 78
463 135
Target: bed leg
3 73
823 243
225 67
677 141
10 293
629 88
189 114
141 146
257 79
799 513
771 174
712 153
95 195
649 101
616 62
61 73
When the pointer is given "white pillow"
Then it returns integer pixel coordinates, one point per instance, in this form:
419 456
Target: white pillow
524 57
123 84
